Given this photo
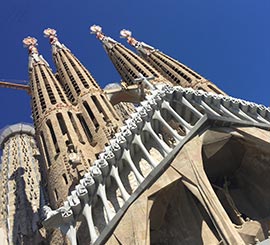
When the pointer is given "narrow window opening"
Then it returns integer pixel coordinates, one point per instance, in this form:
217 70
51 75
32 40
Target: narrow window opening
85 128
65 178
63 127
75 126
99 107
91 114
49 124
44 146
61 123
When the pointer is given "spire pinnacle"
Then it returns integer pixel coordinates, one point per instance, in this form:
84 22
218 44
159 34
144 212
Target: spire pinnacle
128 35
97 30
34 57
107 41
52 35
31 44
140 46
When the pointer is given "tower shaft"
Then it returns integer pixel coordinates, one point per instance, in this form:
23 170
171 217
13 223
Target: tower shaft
19 185
178 73
97 113
128 64
173 70
62 134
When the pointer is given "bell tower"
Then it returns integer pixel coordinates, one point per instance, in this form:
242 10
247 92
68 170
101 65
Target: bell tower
128 64
97 113
60 134
176 72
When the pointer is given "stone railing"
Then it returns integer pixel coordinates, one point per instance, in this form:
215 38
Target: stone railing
106 191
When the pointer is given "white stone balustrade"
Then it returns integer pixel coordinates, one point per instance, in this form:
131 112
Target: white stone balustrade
186 107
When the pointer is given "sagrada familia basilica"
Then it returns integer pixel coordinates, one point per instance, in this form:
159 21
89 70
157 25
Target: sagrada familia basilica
164 157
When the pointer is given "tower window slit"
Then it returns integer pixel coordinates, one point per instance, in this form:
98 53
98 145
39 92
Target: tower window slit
40 94
126 72
69 93
60 93
49 124
150 69
44 146
57 88
178 64
146 66
91 114
65 178
75 126
63 127
85 84
75 85
48 88
85 128
99 107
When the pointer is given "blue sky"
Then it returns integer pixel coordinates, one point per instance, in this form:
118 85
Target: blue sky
227 42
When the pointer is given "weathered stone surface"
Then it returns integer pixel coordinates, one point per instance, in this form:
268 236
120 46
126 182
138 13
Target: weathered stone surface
20 189
213 192
185 187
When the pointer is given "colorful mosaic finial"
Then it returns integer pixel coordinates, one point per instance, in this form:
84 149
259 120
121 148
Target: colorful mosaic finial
30 43
97 30
128 35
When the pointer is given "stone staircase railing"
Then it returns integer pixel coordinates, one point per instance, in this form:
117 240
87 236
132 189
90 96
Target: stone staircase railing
103 192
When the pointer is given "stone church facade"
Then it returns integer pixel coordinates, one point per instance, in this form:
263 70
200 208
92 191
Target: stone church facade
165 157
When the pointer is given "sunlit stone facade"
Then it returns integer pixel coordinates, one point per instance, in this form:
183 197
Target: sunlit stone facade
164 157
20 186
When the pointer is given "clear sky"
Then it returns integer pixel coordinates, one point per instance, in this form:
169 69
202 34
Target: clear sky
226 41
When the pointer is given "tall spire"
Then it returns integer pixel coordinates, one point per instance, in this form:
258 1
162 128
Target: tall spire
173 70
59 130
46 92
74 77
128 64
34 58
83 91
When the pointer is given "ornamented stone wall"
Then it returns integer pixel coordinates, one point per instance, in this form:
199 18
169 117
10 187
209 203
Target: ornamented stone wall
20 186
138 155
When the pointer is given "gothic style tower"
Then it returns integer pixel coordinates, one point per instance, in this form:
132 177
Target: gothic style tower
128 64
173 70
61 132
101 119
187 167
19 185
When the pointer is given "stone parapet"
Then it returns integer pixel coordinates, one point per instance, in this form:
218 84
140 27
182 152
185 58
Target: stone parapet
19 128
